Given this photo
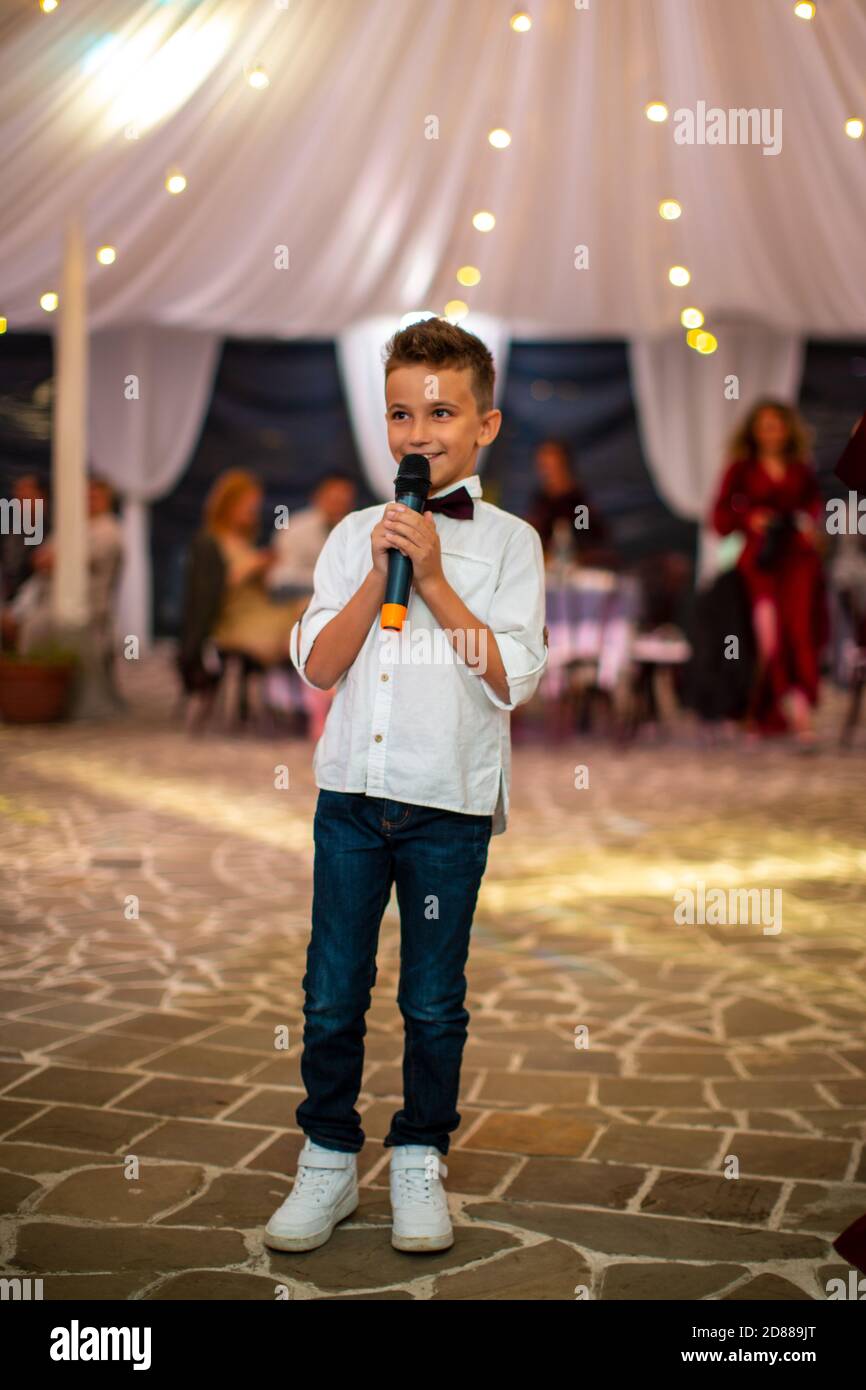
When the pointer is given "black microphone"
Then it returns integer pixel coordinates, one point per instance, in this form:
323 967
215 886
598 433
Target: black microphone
411 487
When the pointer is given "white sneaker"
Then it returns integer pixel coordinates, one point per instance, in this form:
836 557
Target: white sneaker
419 1203
325 1191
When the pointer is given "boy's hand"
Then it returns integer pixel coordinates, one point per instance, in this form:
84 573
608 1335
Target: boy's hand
380 544
416 536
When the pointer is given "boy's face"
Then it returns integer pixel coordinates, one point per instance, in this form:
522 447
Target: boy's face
432 411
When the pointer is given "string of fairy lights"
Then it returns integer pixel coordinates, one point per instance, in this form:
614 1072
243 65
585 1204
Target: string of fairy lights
697 335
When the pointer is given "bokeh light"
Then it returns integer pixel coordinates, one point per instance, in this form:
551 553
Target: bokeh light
484 221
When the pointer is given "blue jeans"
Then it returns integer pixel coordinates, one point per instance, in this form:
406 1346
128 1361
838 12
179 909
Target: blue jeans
437 858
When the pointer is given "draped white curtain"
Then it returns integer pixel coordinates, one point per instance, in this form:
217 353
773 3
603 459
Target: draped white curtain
344 192
367 157
149 393
359 354
687 410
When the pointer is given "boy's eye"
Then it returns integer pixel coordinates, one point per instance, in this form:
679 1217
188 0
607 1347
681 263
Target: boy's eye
396 414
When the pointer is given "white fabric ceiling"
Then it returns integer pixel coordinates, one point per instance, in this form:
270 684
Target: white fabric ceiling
332 161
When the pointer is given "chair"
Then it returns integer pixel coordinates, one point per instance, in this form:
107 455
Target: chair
226 702
656 656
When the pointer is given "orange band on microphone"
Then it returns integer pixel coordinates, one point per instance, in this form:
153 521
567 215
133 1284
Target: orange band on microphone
393 615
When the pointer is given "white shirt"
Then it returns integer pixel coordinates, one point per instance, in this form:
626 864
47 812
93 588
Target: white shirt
406 723
297 547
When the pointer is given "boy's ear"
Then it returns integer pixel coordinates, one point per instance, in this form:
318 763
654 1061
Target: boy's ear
490 426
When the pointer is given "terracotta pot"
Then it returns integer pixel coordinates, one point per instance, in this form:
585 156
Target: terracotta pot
34 694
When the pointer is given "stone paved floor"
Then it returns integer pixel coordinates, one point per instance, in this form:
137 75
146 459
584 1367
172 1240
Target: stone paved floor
601 1168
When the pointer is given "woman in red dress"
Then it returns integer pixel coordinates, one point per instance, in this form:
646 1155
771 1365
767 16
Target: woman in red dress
770 492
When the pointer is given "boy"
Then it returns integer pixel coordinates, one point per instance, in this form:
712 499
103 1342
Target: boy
413 770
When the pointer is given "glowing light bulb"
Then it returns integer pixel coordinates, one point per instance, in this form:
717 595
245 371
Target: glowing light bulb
670 209
657 111
854 128
484 221
49 301
456 309
258 78
499 138
706 343
468 275
106 255
805 9
678 275
521 23
47 6
3 324
175 183
691 318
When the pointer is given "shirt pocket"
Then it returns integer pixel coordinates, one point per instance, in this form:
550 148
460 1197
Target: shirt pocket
472 576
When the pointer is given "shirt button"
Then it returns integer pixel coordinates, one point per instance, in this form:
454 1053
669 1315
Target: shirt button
378 738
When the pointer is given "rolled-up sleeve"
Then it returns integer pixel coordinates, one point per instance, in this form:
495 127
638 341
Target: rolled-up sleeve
516 618
330 595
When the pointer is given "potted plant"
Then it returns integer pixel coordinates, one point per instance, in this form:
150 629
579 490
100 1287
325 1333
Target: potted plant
35 686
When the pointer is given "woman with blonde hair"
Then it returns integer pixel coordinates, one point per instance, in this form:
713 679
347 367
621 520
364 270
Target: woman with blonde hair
226 606
769 492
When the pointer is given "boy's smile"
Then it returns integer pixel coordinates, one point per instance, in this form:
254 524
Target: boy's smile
432 411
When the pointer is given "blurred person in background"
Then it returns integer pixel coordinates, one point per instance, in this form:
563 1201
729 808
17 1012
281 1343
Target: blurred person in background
33 623
851 467
769 492
556 498
227 609
296 549
16 553
848 581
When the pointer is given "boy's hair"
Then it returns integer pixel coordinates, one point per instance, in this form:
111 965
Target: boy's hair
438 343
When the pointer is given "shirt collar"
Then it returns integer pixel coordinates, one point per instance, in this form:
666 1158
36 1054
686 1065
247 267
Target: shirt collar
472 485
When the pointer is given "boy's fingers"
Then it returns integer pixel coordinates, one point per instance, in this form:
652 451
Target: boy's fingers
412 521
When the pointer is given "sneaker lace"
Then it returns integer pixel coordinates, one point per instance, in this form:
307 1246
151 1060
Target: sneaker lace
415 1182
312 1182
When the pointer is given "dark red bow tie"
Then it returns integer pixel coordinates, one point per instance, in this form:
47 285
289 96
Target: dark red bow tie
457 503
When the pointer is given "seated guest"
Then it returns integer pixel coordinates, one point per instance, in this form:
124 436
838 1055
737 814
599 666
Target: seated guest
556 499
296 546
226 605
31 609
